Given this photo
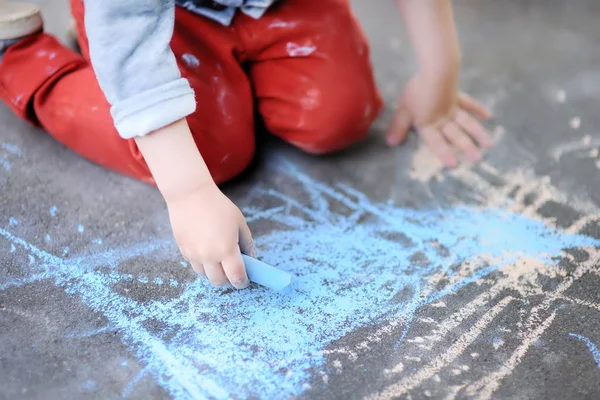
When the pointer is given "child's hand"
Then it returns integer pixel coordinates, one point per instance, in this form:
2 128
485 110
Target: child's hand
210 231
445 119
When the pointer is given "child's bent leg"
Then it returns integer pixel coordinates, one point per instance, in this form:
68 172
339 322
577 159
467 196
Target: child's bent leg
223 124
313 78
50 85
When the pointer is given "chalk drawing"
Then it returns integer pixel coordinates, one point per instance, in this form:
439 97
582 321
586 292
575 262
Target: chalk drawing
90 333
497 343
591 347
90 385
7 152
347 274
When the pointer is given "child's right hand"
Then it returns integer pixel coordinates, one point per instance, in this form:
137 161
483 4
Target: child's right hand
210 231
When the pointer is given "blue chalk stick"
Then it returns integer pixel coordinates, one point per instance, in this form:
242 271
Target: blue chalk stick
266 275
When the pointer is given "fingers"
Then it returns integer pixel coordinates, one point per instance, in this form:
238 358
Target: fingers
198 268
436 142
461 140
215 274
400 127
470 104
471 126
245 239
235 270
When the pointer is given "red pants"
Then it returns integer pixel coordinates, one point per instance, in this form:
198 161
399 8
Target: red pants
304 66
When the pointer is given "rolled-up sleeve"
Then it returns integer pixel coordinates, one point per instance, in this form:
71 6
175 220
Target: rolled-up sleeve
130 52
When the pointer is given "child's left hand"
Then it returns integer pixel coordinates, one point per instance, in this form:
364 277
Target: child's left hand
446 120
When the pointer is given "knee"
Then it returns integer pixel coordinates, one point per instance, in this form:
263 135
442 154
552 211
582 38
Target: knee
226 152
328 122
230 162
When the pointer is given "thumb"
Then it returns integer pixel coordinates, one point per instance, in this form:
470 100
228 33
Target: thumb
245 239
400 127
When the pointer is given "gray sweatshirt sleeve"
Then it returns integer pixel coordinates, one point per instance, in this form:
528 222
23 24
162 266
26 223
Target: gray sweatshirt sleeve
130 54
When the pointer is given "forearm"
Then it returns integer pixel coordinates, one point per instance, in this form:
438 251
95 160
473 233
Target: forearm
174 160
430 26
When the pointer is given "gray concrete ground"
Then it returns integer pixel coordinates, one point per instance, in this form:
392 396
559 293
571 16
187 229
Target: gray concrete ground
410 281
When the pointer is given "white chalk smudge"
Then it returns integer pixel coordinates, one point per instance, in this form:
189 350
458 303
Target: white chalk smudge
280 24
190 60
297 50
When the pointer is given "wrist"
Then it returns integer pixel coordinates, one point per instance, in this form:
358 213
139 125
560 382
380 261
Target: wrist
447 65
184 188
175 161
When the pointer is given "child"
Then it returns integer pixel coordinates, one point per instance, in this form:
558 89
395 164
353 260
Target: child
166 94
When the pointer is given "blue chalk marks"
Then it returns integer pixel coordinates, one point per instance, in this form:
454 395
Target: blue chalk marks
86 334
212 343
129 388
13 221
53 211
591 347
90 385
80 228
11 148
7 151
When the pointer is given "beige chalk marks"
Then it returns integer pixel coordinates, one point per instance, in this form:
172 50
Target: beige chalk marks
426 167
434 350
586 147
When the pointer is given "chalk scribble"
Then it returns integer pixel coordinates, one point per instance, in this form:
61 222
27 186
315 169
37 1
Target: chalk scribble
357 264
